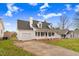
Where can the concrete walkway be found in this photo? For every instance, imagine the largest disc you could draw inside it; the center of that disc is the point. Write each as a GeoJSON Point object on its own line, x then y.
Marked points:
{"type": "Point", "coordinates": [43, 49]}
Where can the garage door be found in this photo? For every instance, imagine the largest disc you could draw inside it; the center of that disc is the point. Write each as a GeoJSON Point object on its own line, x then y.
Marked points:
{"type": "Point", "coordinates": [26, 36]}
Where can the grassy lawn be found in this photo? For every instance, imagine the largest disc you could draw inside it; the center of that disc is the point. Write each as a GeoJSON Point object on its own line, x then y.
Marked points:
{"type": "Point", "coordinates": [8, 49]}
{"type": "Point", "coordinates": [72, 44]}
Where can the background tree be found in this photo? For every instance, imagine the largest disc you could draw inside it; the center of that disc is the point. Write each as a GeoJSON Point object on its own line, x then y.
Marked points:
{"type": "Point", "coordinates": [64, 22]}
{"type": "Point", "coordinates": [76, 20]}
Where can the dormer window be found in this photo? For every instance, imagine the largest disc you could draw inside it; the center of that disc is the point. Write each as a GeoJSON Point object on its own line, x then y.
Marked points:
{"type": "Point", "coordinates": [39, 24]}
{"type": "Point", "coordinates": [50, 26]}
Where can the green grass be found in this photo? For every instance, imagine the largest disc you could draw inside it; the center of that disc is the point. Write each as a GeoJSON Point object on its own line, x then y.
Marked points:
{"type": "Point", "coordinates": [8, 49]}
{"type": "Point", "coordinates": [72, 44]}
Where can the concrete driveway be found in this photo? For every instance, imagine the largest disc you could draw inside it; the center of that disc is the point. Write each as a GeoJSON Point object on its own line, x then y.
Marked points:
{"type": "Point", "coordinates": [43, 49]}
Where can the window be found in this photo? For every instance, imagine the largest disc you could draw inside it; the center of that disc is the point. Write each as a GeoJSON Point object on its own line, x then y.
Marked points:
{"type": "Point", "coordinates": [50, 26]}
{"type": "Point", "coordinates": [36, 33]}
{"type": "Point", "coordinates": [49, 33]}
{"type": "Point", "coordinates": [42, 33]}
{"type": "Point", "coordinates": [52, 34]}
{"type": "Point", "coordinates": [40, 24]}
{"type": "Point", "coordinates": [63, 35]}
{"type": "Point", "coordinates": [45, 33]}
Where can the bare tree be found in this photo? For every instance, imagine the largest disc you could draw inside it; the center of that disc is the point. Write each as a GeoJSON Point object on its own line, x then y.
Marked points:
{"type": "Point", "coordinates": [64, 22]}
{"type": "Point", "coordinates": [76, 20]}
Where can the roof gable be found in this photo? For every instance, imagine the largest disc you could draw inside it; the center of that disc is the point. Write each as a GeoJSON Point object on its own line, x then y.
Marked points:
{"type": "Point", "coordinates": [45, 25]}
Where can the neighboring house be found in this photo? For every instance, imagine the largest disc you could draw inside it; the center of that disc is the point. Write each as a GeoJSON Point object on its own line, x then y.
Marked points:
{"type": "Point", "coordinates": [8, 35]}
{"type": "Point", "coordinates": [73, 34]}
{"type": "Point", "coordinates": [1, 29]}
{"type": "Point", "coordinates": [76, 33]}
{"type": "Point", "coordinates": [32, 29]}
{"type": "Point", "coordinates": [63, 33]}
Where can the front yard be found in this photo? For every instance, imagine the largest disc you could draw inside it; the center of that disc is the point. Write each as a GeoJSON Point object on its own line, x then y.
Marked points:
{"type": "Point", "coordinates": [8, 49]}
{"type": "Point", "coordinates": [72, 44]}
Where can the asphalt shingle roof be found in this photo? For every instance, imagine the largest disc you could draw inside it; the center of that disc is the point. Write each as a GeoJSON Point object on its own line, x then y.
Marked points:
{"type": "Point", "coordinates": [76, 31]}
{"type": "Point", "coordinates": [23, 25]}
{"type": "Point", "coordinates": [59, 31]}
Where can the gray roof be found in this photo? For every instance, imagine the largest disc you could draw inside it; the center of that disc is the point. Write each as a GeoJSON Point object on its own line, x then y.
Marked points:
{"type": "Point", "coordinates": [76, 31]}
{"type": "Point", "coordinates": [59, 31]}
{"type": "Point", "coordinates": [45, 30]}
{"type": "Point", "coordinates": [23, 25]}
{"type": "Point", "coordinates": [45, 25]}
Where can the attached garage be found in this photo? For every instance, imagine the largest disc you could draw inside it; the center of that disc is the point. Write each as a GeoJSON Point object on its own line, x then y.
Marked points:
{"type": "Point", "coordinates": [25, 35]}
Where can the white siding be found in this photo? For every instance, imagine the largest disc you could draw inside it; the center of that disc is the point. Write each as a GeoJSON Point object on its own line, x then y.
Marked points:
{"type": "Point", "coordinates": [73, 35]}
{"type": "Point", "coordinates": [76, 35]}
{"type": "Point", "coordinates": [29, 35]}
{"type": "Point", "coordinates": [25, 35]}
{"type": "Point", "coordinates": [1, 33]}
{"type": "Point", "coordinates": [57, 35]}
{"type": "Point", "coordinates": [70, 35]}
{"type": "Point", "coordinates": [1, 30]}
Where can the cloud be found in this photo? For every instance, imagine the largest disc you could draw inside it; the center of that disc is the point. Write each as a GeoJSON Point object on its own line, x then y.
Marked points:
{"type": "Point", "coordinates": [32, 4]}
{"type": "Point", "coordinates": [77, 8]}
{"type": "Point", "coordinates": [9, 13]}
{"type": "Point", "coordinates": [39, 14]}
{"type": "Point", "coordinates": [43, 10]}
{"type": "Point", "coordinates": [44, 6]}
{"type": "Point", "coordinates": [7, 24]}
{"type": "Point", "coordinates": [64, 12]}
{"type": "Point", "coordinates": [11, 9]}
{"type": "Point", "coordinates": [51, 15]}
{"type": "Point", "coordinates": [68, 7]}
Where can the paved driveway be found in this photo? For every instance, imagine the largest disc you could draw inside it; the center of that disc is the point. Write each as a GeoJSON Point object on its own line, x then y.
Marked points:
{"type": "Point", "coordinates": [43, 49]}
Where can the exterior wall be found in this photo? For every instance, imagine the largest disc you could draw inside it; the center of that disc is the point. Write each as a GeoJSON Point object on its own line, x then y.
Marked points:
{"type": "Point", "coordinates": [1, 30]}
{"type": "Point", "coordinates": [1, 33]}
{"type": "Point", "coordinates": [30, 34]}
{"type": "Point", "coordinates": [70, 35]}
{"type": "Point", "coordinates": [57, 36]}
{"type": "Point", "coordinates": [25, 34]}
{"type": "Point", "coordinates": [76, 35]}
